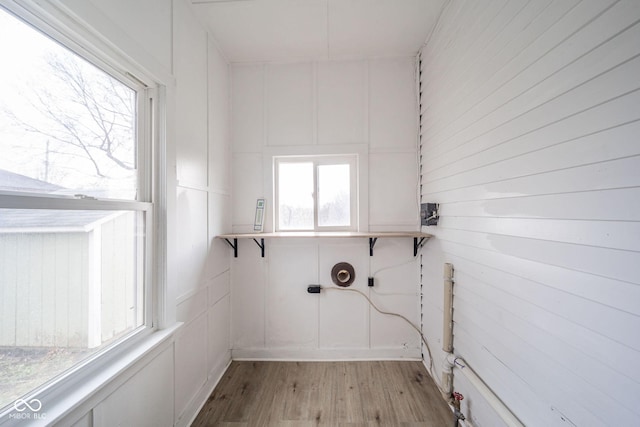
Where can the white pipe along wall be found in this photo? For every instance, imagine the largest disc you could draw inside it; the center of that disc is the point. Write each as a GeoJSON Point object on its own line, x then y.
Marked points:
{"type": "Point", "coordinates": [501, 409]}
{"type": "Point", "coordinates": [452, 361]}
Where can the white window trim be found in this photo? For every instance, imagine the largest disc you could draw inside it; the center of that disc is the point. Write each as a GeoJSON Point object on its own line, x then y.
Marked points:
{"type": "Point", "coordinates": [92, 374]}
{"type": "Point", "coordinates": [361, 153]}
{"type": "Point", "coordinates": [320, 160]}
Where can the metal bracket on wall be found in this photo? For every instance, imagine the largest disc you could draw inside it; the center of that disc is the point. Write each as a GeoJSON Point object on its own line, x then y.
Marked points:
{"type": "Point", "coordinates": [260, 245]}
{"type": "Point", "coordinates": [417, 244]}
{"type": "Point", "coordinates": [234, 245]}
{"type": "Point", "coordinates": [372, 243]}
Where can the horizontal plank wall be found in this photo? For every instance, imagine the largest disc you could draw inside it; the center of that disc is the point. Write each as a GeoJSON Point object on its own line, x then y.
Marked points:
{"type": "Point", "coordinates": [530, 116]}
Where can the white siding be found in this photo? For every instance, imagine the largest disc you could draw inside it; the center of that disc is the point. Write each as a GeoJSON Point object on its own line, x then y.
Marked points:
{"type": "Point", "coordinates": [529, 124]}
{"type": "Point", "coordinates": [68, 289]}
{"type": "Point", "coordinates": [43, 298]}
{"type": "Point", "coordinates": [118, 281]}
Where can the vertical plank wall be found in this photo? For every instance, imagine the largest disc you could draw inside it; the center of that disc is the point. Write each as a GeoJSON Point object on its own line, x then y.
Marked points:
{"type": "Point", "coordinates": [167, 40]}
{"type": "Point", "coordinates": [530, 124]}
{"type": "Point", "coordinates": [312, 106]}
{"type": "Point", "coordinates": [203, 211]}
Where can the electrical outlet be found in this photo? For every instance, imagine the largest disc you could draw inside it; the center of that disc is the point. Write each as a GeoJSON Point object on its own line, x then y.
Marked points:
{"type": "Point", "coordinates": [429, 214]}
{"type": "Point", "coordinates": [313, 289]}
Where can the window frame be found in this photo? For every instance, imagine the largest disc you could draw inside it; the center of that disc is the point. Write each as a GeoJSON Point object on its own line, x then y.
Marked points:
{"type": "Point", "coordinates": [56, 24]}
{"type": "Point", "coordinates": [263, 168]}
{"type": "Point", "coordinates": [316, 161]}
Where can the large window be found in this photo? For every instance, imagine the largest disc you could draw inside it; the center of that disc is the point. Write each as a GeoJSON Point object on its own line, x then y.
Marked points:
{"type": "Point", "coordinates": [75, 209]}
{"type": "Point", "coordinates": [316, 193]}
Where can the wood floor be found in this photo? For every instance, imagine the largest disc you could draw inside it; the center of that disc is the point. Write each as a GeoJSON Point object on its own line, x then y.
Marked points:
{"type": "Point", "coordinates": [336, 394]}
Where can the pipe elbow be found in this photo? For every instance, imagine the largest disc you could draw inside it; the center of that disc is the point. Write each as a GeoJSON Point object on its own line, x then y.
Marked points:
{"type": "Point", "coordinates": [454, 361]}
{"type": "Point", "coordinates": [450, 360]}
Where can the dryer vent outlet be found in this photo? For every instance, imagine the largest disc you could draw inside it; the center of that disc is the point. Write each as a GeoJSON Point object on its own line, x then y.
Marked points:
{"type": "Point", "coordinates": [343, 274]}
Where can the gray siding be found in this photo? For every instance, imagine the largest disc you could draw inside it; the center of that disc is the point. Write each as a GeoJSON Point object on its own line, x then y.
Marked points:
{"type": "Point", "coordinates": [530, 142]}
{"type": "Point", "coordinates": [69, 289]}
{"type": "Point", "coordinates": [43, 289]}
{"type": "Point", "coordinates": [119, 309]}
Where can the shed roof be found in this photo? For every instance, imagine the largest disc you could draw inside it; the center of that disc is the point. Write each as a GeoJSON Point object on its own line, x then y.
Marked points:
{"type": "Point", "coordinates": [11, 181]}
{"type": "Point", "coordinates": [36, 220]}
{"type": "Point", "coordinates": [42, 220]}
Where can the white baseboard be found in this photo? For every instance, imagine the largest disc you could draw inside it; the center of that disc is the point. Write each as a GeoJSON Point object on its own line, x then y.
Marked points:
{"type": "Point", "coordinates": [314, 354]}
{"type": "Point", "coordinates": [196, 404]}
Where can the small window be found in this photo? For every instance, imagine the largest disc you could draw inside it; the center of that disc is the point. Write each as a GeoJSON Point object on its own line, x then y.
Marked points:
{"type": "Point", "coordinates": [316, 193]}
{"type": "Point", "coordinates": [75, 209]}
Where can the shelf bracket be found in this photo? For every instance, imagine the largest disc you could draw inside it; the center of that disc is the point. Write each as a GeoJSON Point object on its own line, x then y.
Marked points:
{"type": "Point", "coordinates": [234, 245]}
{"type": "Point", "coordinates": [260, 245]}
{"type": "Point", "coordinates": [372, 243]}
{"type": "Point", "coordinates": [417, 244]}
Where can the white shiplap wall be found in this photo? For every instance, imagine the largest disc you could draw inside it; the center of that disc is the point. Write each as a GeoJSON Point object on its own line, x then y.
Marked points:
{"type": "Point", "coordinates": [530, 143]}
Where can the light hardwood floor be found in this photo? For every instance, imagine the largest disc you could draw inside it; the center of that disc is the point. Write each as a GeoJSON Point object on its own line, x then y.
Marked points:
{"type": "Point", "coordinates": [336, 394]}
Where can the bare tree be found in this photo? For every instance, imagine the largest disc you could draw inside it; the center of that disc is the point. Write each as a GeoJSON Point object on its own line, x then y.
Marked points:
{"type": "Point", "coordinates": [84, 114]}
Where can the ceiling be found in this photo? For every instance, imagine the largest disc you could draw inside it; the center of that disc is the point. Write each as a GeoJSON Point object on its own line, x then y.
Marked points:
{"type": "Point", "coordinates": [287, 30]}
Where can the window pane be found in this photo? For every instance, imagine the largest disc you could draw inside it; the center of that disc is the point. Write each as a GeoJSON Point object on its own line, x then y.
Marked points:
{"type": "Point", "coordinates": [66, 127]}
{"type": "Point", "coordinates": [70, 284]}
{"type": "Point", "coordinates": [334, 199]}
{"type": "Point", "coordinates": [295, 196]}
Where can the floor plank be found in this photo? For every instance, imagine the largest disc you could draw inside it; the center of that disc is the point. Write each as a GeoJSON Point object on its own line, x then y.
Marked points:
{"type": "Point", "coordinates": [343, 394]}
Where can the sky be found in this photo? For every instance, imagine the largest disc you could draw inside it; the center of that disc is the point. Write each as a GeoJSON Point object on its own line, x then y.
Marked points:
{"type": "Point", "coordinates": [25, 81]}
{"type": "Point", "coordinates": [296, 193]}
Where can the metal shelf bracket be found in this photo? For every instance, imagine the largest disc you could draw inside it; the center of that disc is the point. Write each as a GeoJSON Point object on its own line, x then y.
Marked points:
{"type": "Point", "coordinates": [372, 243]}
{"type": "Point", "coordinates": [234, 245]}
{"type": "Point", "coordinates": [260, 245]}
{"type": "Point", "coordinates": [417, 244]}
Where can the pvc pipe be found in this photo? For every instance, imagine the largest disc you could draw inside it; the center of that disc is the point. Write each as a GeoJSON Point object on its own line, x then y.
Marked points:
{"type": "Point", "coordinates": [447, 331]}
{"type": "Point", "coordinates": [501, 409]}
{"type": "Point", "coordinates": [447, 379]}
{"type": "Point", "coordinates": [452, 361]}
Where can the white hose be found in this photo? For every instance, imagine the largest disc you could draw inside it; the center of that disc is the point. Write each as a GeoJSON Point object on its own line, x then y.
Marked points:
{"type": "Point", "coordinates": [424, 340]}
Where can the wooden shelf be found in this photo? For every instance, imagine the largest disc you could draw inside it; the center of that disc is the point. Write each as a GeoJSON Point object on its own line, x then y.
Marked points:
{"type": "Point", "coordinates": [418, 237]}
